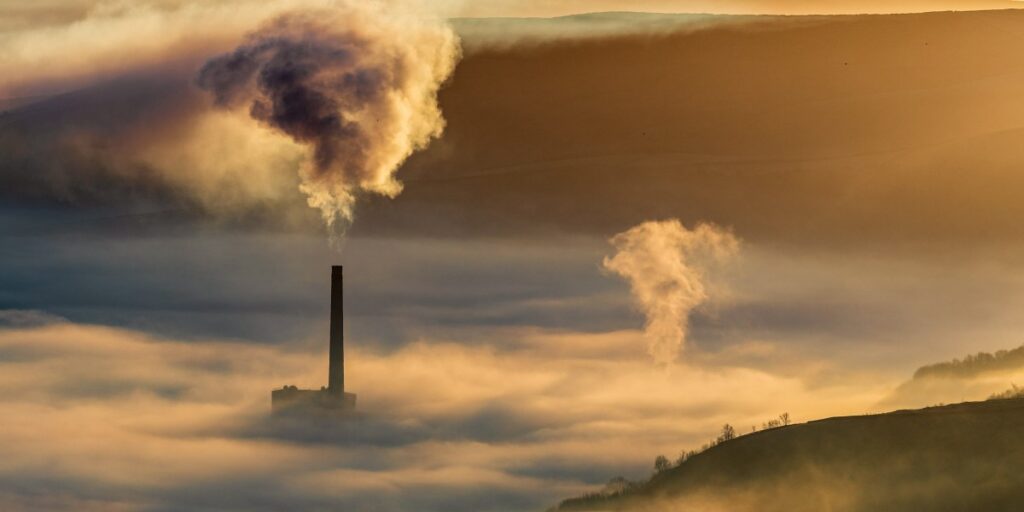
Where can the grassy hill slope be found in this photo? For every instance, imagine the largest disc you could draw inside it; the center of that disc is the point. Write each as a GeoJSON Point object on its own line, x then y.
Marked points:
{"type": "Point", "coordinates": [959, 457]}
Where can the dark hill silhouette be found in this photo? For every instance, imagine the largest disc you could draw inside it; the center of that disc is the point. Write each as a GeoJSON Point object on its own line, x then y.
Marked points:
{"type": "Point", "coordinates": [963, 457]}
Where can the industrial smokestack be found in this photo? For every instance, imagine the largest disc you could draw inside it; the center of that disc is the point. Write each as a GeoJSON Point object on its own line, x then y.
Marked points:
{"type": "Point", "coordinates": [336, 377]}
{"type": "Point", "coordinates": [333, 399]}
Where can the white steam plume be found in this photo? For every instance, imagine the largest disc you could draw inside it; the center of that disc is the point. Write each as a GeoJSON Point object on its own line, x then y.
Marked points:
{"type": "Point", "coordinates": [356, 84]}
{"type": "Point", "coordinates": [666, 266]}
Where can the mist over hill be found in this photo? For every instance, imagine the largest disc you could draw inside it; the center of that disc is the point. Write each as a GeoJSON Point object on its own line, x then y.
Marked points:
{"type": "Point", "coordinates": [939, 458]}
{"type": "Point", "coordinates": [971, 377]}
{"type": "Point", "coordinates": [951, 458]}
{"type": "Point", "coordinates": [975, 364]}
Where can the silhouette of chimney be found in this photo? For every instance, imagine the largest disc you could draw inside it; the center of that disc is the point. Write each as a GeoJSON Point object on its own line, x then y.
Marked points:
{"type": "Point", "coordinates": [332, 399]}
{"type": "Point", "coordinates": [336, 376]}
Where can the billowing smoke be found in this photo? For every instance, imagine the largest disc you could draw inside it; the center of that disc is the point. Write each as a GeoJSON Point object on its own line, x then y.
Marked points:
{"type": "Point", "coordinates": [357, 85]}
{"type": "Point", "coordinates": [666, 265]}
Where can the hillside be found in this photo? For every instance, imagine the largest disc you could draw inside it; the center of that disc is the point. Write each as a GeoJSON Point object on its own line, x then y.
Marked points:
{"type": "Point", "coordinates": [826, 130]}
{"type": "Point", "coordinates": [958, 457]}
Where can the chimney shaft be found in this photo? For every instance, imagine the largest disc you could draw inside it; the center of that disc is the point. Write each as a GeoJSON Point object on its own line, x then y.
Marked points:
{"type": "Point", "coordinates": [336, 377]}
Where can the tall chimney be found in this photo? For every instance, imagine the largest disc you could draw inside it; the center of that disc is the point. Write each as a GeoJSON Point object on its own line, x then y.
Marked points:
{"type": "Point", "coordinates": [336, 377]}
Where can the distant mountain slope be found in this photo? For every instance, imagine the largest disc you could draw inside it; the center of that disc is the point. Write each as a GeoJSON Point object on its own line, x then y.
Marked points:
{"type": "Point", "coordinates": [832, 130]}
{"type": "Point", "coordinates": [964, 457]}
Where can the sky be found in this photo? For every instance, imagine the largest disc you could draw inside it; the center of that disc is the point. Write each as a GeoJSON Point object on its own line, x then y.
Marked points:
{"type": "Point", "coordinates": [570, 245]}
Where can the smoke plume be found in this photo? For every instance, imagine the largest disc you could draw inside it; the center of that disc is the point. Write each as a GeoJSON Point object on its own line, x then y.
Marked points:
{"type": "Point", "coordinates": [666, 266]}
{"type": "Point", "coordinates": [357, 86]}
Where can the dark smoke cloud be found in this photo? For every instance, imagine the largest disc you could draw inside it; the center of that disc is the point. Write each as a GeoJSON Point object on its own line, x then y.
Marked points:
{"type": "Point", "coordinates": [359, 90]}
{"type": "Point", "coordinates": [293, 97]}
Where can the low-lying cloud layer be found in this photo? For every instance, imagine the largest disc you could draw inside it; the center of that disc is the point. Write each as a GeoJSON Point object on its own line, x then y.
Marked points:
{"type": "Point", "coordinates": [111, 418]}
{"type": "Point", "coordinates": [533, 358]}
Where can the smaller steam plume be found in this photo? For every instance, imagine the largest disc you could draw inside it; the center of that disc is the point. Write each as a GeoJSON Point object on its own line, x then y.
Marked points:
{"type": "Point", "coordinates": [356, 85]}
{"type": "Point", "coordinates": [666, 266]}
